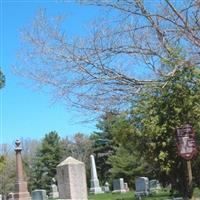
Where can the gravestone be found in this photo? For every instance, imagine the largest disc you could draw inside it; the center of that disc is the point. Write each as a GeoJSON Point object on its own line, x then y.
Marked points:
{"type": "Point", "coordinates": [94, 182]}
{"type": "Point", "coordinates": [106, 187]}
{"type": "Point", "coordinates": [118, 186]}
{"type": "Point", "coordinates": [154, 186]}
{"type": "Point", "coordinates": [0, 196]}
{"type": "Point", "coordinates": [54, 191]}
{"type": "Point", "coordinates": [71, 178]}
{"type": "Point", "coordinates": [126, 187]}
{"type": "Point", "coordinates": [39, 195]}
{"type": "Point", "coordinates": [142, 186]}
{"type": "Point", "coordinates": [11, 196]}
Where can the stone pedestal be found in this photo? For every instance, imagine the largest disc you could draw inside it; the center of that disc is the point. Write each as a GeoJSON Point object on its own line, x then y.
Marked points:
{"type": "Point", "coordinates": [21, 191]}
{"type": "Point", "coordinates": [71, 178]}
{"type": "Point", "coordinates": [94, 182]}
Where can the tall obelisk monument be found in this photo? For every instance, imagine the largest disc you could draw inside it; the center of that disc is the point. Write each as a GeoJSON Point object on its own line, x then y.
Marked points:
{"type": "Point", "coordinates": [21, 191]}
{"type": "Point", "coordinates": [94, 182]}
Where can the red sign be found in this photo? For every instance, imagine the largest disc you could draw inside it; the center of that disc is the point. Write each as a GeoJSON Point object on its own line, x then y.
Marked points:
{"type": "Point", "coordinates": [186, 141]}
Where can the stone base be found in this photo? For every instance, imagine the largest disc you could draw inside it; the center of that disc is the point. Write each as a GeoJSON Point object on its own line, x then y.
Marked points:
{"type": "Point", "coordinates": [96, 190]}
{"type": "Point", "coordinates": [54, 195]}
{"type": "Point", "coordinates": [20, 196]}
{"type": "Point", "coordinates": [119, 191]}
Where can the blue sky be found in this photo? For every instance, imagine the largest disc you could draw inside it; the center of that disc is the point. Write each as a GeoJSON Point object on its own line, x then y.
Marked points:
{"type": "Point", "coordinates": [26, 113]}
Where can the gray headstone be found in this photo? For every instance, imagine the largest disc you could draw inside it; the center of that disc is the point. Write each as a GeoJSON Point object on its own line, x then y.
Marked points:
{"type": "Point", "coordinates": [154, 186]}
{"type": "Point", "coordinates": [0, 196]}
{"type": "Point", "coordinates": [142, 186]}
{"type": "Point", "coordinates": [71, 178]}
{"type": "Point", "coordinates": [94, 182]}
{"type": "Point", "coordinates": [118, 186]}
{"type": "Point", "coordinates": [39, 195]}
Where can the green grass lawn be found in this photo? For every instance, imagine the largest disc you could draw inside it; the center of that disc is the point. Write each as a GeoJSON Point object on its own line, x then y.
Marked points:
{"type": "Point", "coordinates": [110, 196]}
{"type": "Point", "coordinates": [128, 196]}
{"type": "Point", "coordinates": [162, 195]}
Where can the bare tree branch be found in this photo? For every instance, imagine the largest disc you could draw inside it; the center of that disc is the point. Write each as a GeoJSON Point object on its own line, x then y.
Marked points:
{"type": "Point", "coordinates": [121, 55]}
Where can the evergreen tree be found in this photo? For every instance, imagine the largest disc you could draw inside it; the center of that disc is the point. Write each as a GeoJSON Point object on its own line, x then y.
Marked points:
{"type": "Point", "coordinates": [127, 164]}
{"type": "Point", "coordinates": [47, 158]}
{"type": "Point", "coordinates": [104, 145]}
{"type": "Point", "coordinates": [2, 79]}
{"type": "Point", "coordinates": [115, 149]}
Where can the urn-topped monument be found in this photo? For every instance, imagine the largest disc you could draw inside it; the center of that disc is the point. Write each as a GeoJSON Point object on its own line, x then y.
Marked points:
{"type": "Point", "coordinates": [21, 191]}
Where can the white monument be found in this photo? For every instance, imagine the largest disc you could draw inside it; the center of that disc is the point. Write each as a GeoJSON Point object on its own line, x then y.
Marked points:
{"type": "Point", "coordinates": [94, 182]}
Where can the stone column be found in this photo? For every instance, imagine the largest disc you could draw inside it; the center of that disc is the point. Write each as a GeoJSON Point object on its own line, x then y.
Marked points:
{"type": "Point", "coordinates": [21, 191]}
{"type": "Point", "coordinates": [94, 182]}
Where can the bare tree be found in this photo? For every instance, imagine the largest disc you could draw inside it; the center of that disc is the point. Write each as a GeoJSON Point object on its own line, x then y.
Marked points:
{"type": "Point", "coordinates": [81, 147]}
{"type": "Point", "coordinates": [122, 53]}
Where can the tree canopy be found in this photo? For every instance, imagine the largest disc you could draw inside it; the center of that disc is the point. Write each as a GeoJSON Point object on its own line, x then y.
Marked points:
{"type": "Point", "coordinates": [2, 79]}
{"type": "Point", "coordinates": [156, 117]}
{"type": "Point", "coordinates": [118, 58]}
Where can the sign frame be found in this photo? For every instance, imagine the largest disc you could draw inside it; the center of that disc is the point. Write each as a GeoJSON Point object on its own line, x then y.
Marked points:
{"type": "Point", "coordinates": [186, 145]}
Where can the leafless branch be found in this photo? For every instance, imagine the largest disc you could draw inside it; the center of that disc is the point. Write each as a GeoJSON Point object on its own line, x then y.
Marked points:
{"type": "Point", "coordinates": [121, 55]}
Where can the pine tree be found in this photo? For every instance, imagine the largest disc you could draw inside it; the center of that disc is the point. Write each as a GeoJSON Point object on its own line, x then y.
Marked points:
{"type": "Point", "coordinates": [116, 155]}
{"type": "Point", "coordinates": [47, 158]}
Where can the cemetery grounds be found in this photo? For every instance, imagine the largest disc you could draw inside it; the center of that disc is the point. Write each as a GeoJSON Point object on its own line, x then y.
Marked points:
{"type": "Point", "coordinates": [162, 195]}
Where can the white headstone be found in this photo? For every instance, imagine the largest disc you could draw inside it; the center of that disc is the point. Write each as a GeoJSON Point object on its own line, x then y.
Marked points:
{"type": "Point", "coordinates": [118, 186]}
{"type": "Point", "coordinates": [106, 187]}
{"type": "Point", "coordinates": [54, 191]}
{"type": "Point", "coordinates": [126, 187]}
{"type": "Point", "coordinates": [94, 182]}
{"type": "Point", "coordinates": [71, 178]}
{"type": "Point", "coordinates": [11, 196]}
